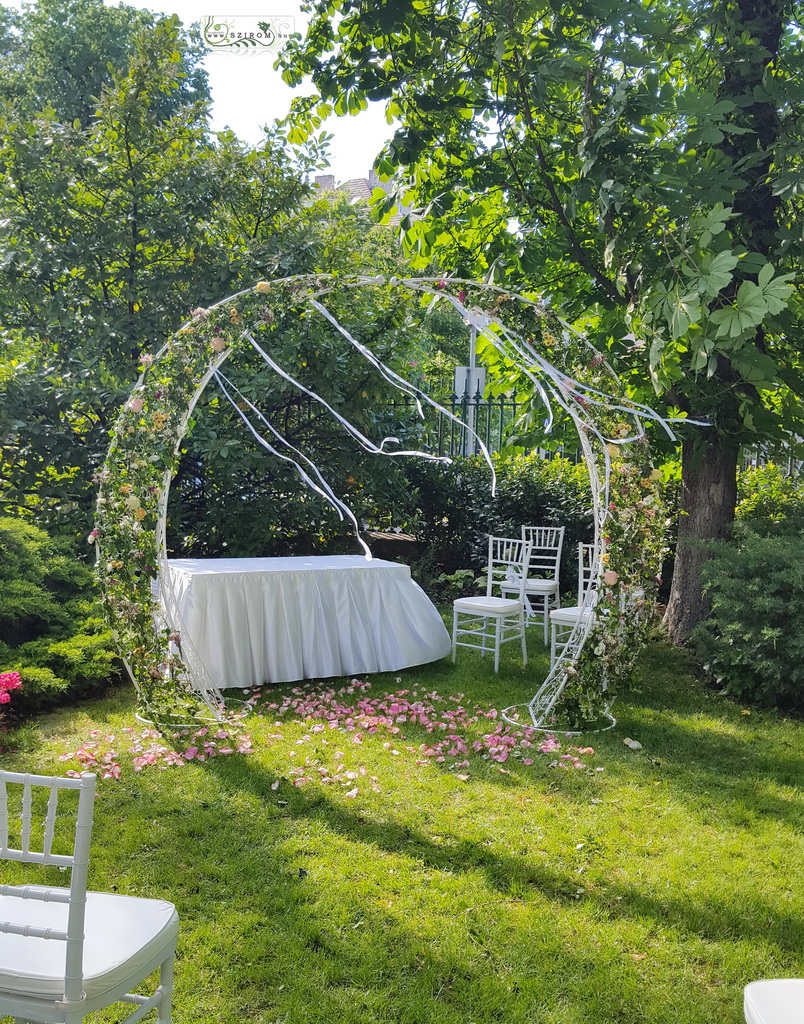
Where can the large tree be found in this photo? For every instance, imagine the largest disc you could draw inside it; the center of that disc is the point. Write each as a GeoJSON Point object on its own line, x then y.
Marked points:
{"type": "Point", "coordinates": [638, 164]}
{"type": "Point", "coordinates": [59, 55]}
{"type": "Point", "coordinates": [110, 232]}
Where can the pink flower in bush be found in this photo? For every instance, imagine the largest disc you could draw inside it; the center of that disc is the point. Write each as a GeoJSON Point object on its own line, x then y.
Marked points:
{"type": "Point", "coordinates": [10, 681]}
{"type": "Point", "coordinates": [610, 577]}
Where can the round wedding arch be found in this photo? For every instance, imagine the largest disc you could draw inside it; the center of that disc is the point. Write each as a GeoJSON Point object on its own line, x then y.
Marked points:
{"type": "Point", "coordinates": [568, 377]}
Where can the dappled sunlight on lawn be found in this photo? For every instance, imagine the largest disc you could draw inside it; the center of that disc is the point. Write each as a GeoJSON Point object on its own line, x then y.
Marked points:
{"type": "Point", "coordinates": [350, 851]}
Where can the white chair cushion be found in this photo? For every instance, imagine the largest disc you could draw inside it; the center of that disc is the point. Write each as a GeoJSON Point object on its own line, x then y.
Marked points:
{"type": "Point", "coordinates": [122, 933]}
{"type": "Point", "coordinates": [533, 586]}
{"type": "Point", "coordinates": [569, 616]}
{"type": "Point", "coordinates": [779, 1001]}
{"type": "Point", "coordinates": [536, 586]}
{"type": "Point", "coordinates": [487, 605]}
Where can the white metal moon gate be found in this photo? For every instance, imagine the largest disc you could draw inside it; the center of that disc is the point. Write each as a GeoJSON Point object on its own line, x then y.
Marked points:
{"type": "Point", "coordinates": [135, 481]}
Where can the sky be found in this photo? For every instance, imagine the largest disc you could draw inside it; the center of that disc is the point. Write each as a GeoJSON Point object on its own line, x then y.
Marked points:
{"type": "Point", "coordinates": [247, 93]}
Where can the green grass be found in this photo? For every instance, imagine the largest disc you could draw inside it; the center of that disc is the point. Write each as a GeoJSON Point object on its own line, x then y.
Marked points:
{"type": "Point", "coordinates": [650, 892]}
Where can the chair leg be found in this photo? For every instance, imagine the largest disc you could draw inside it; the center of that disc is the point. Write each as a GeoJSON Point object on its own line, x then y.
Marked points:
{"type": "Point", "coordinates": [552, 644]}
{"type": "Point", "coordinates": [497, 633]}
{"type": "Point", "coordinates": [545, 613]}
{"type": "Point", "coordinates": [166, 985]}
{"type": "Point", "coordinates": [524, 638]}
{"type": "Point", "coordinates": [454, 635]}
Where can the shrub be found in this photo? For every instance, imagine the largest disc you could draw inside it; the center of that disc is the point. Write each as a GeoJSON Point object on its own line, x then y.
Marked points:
{"type": "Point", "coordinates": [446, 587]}
{"type": "Point", "coordinates": [770, 502]}
{"type": "Point", "coordinates": [752, 644]}
{"type": "Point", "coordinates": [51, 627]}
{"type": "Point", "coordinates": [455, 510]}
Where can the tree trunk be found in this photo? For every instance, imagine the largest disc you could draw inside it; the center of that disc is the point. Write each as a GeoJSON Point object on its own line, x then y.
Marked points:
{"type": "Point", "coordinates": [708, 499]}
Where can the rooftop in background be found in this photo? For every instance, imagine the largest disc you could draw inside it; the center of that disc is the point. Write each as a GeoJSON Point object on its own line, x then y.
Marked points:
{"type": "Point", "coordinates": [360, 188]}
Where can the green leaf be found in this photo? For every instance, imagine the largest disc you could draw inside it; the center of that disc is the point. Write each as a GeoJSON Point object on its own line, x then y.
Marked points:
{"type": "Point", "coordinates": [716, 273]}
{"type": "Point", "coordinates": [776, 291]}
{"type": "Point", "coordinates": [765, 274]}
{"type": "Point", "coordinates": [747, 311]}
{"type": "Point", "coordinates": [682, 311]}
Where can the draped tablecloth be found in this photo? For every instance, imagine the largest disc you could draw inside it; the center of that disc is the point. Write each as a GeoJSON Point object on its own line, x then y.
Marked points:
{"type": "Point", "coordinates": [256, 620]}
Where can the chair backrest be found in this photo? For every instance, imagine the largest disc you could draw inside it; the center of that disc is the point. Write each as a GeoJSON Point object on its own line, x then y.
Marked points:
{"type": "Point", "coordinates": [545, 553]}
{"type": "Point", "coordinates": [35, 847]}
{"type": "Point", "coordinates": [508, 562]}
{"type": "Point", "coordinates": [586, 570]}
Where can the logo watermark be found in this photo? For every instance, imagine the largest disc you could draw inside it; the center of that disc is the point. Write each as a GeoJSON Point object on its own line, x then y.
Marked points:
{"type": "Point", "coordinates": [249, 33]}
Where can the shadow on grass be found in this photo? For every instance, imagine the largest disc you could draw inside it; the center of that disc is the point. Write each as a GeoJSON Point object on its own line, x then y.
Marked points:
{"type": "Point", "coordinates": [719, 760]}
{"type": "Point", "coordinates": [288, 951]}
{"type": "Point", "coordinates": [515, 876]}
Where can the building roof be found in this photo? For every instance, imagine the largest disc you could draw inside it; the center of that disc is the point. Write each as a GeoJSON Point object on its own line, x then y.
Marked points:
{"type": "Point", "coordinates": [356, 188]}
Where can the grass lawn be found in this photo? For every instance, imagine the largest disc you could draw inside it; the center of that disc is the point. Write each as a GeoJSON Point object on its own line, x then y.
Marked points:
{"type": "Point", "coordinates": [393, 887]}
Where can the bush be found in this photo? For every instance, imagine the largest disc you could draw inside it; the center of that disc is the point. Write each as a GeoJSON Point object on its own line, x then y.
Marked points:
{"type": "Point", "coordinates": [770, 502]}
{"type": "Point", "coordinates": [455, 510]}
{"type": "Point", "coordinates": [752, 644]}
{"type": "Point", "coordinates": [50, 623]}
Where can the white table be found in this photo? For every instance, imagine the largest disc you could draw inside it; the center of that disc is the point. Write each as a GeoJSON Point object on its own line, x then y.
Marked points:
{"type": "Point", "coordinates": [256, 620]}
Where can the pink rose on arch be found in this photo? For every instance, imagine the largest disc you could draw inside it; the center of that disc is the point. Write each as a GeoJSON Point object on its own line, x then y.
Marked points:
{"type": "Point", "coordinates": [135, 404]}
{"type": "Point", "coordinates": [610, 577]}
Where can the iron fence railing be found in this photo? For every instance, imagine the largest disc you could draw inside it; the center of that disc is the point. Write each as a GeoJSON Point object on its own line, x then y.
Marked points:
{"type": "Point", "coordinates": [475, 419]}
{"type": "Point", "coordinates": [481, 419]}
{"type": "Point", "coordinates": [784, 455]}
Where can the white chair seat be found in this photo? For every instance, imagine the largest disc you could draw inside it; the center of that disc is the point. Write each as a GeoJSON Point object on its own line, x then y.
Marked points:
{"type": "Point", "coordinates": [123, 934]}
{"type": "Point", "coordinates": [488, 605]}
{"type": "Point", "coordinates": [569, 616]}
{"type": "Point", "coordinates": [535, 586]}
{"type": "Point", "coordinates": [777, 1001]}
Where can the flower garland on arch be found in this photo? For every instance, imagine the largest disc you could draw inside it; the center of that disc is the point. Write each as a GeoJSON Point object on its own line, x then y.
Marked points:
{"type": "Point", "coordinates": [143, 457]}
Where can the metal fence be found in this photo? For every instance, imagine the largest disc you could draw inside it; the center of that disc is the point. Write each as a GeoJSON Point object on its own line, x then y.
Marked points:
{"type": "Point", "coordinates": [786, 456]}
{"type": "Point", "coordinates": [481, 419]}
{"type": "Point", "coordinates": [475, 419]}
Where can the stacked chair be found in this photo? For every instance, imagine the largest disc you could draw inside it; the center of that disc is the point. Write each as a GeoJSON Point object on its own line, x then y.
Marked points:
{"type": "Point", "coordinates": [541, 585]}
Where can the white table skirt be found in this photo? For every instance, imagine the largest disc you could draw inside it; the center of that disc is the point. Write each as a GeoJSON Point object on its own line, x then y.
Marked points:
{"type": "Point", "coordinates": [256, 620]}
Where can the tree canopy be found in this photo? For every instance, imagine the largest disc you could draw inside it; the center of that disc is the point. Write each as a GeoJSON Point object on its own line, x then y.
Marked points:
{"type": "Point", "coordinates": [112, 229]}
{"type": "Point", "coordinates": [639, 165]}
{"type": "Point", "coordinates": [110, 232]}
{"type": "Point", "coordinates": [60, 54]}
